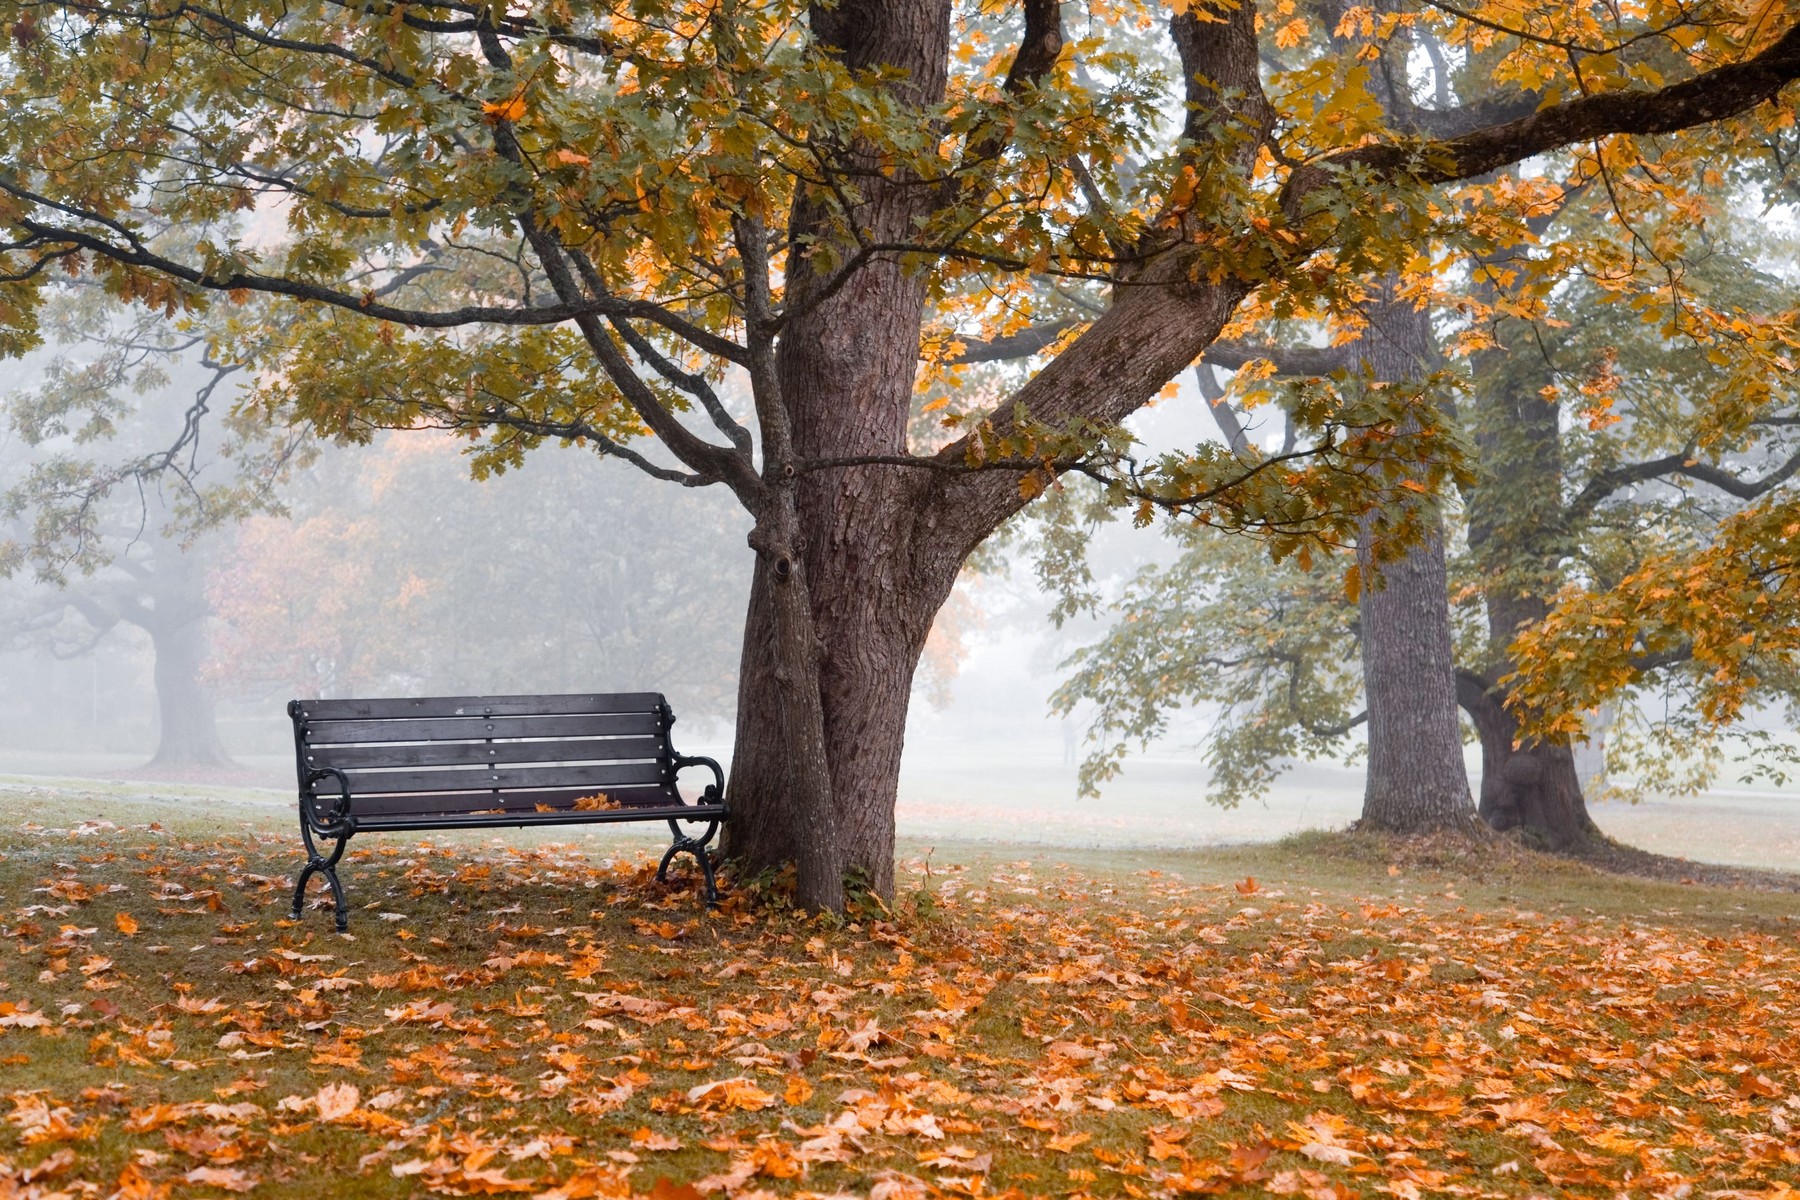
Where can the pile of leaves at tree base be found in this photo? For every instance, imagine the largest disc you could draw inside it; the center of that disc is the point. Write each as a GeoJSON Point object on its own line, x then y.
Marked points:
{"type": "Point", "coordinates": [547, 1021]}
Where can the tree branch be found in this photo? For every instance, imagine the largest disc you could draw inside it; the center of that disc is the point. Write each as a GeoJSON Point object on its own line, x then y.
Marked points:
{"type": "Point", "coordinates": [1607, 482]}
{"type": "Point", "coordinates": [1224, 415]}
{"type": "Point", "coordinates": [1709, 96]}
{"type": "Point", "coordinates": [1033, 339]}
{"type": "Point", "coordinates": [365, 304]}
{"type": "Point", "coordinates": [1288, 360]}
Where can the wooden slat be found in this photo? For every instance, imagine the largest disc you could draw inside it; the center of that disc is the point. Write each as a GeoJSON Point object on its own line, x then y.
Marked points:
{"type": "Point", "coordinates": [421, 821]}
{"type": "Point", "coordinates": [452, 803]}
{"type": "Point", "coordinates": [476, 728]}
{"type": "Point", "coordinates": [550, 775]}
{"type": "Point", "coordinates": [479, 706]}
{"type": "Point", "coordinates": [449, 754]}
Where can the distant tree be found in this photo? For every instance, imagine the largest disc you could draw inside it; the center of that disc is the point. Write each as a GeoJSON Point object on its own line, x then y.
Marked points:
{"type": "Point", "coordinates": [1608, 449]}
{"type": "Point", "coordinates": [107, 493]}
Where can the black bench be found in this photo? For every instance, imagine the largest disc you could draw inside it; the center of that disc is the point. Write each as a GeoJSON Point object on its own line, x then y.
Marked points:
{"type": "Point", "coordinates": [469, 762]}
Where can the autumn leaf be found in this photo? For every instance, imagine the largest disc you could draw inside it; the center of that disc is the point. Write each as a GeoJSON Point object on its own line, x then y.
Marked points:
{"type": "Point", "coordinates": [337, 1101]}
{"type": "Point", "coordinates": [229, 1178]}
{"type": "Point", "coordinates": [1246, 886]}
{"type": "Point", "coordinates": [125, 923]}
{"type": "Point", "coordinates": [510, 109]}
{"type": "Point", "coordinates": [736, 1093]}
{"type": "Point", "coordinates": [666, 1189]}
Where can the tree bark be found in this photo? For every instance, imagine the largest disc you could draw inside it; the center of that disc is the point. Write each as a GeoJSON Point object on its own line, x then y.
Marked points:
{"type": "Point", "coordinates": [844, 374]}
{"type": "Point", "coordinates": [1416, 779]}
{"type": "Point", "coordinates": [1532, 787]}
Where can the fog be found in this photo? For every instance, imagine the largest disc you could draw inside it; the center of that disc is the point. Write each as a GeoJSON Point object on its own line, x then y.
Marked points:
{"type": "Point", "coordinates": [388, 571]}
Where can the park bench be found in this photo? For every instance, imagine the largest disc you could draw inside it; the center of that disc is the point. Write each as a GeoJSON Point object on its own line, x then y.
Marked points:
{"type": "Point", "coordinates": [471, 762]}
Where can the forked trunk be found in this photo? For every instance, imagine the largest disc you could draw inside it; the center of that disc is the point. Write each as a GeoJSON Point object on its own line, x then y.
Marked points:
{"type": "Point", "coordinates": [843, 381]}
{"type": "Point", "coordinates": [881, 544]}
{"type": "Point", "coordinates": [870, 639]}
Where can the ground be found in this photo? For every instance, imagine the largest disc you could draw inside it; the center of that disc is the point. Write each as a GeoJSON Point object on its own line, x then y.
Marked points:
{"type": "Point", "coordinates": [1326, 1016]}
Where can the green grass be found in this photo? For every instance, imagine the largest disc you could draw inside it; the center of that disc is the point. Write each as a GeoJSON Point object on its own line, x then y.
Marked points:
{"type": "Point", "coordinates": [1366, 1018]}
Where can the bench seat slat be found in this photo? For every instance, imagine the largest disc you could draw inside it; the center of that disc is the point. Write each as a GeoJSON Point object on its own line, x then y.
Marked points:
{"type": "Point", "coordinates": [441, 729]}
{"type": "Point", "coordinates": [474, 806]}
{"type": "Point", "coordinates": [689, 812]}
{"type": "Point", "coordinates": [476, 706]}
{"type": "Point", "coordinates": [477, 779]}
{"type": "Point", "coordinates": [456, 754]}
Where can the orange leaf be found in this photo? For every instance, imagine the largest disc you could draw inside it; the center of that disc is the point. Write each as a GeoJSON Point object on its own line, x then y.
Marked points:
{"type": "Point", "coordinates": [510, 109]}
{"type": "Point", "coordinates": [127, 923]}
{"type": "Point", "coordinates": [1247, 886]}
{"type": "Point", "coordinates": [665, 1189]}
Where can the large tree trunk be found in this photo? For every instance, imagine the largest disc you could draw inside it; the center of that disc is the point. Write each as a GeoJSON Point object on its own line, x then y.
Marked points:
{"type": "Point", "coordinates": [867, 660]}
{"type": "Point", "coordinates": [1416, 779]}
{"type": "Point", "coordinates": [845, 369]}
{"type": "Point", "coordinates": [1532, 787]}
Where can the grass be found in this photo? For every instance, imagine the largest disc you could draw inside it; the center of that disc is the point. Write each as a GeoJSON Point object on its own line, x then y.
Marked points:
{"type": "Point", "coordinates": [1324, 1016]}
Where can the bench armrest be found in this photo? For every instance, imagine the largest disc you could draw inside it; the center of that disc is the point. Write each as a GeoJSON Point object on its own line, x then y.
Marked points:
{"type": "Point", "coordinates": [715, 791]}
{"type": "Point", "coordinates": [340, 822]}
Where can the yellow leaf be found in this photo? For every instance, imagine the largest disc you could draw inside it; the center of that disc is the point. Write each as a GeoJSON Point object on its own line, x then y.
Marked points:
{"type": "Point", "coordinates": [739, 1093]}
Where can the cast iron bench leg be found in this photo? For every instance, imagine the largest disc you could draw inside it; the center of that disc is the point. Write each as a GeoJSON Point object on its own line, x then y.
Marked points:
{"type": "Point", "coordinates": [697, 848]}
{"type": "Point", "coordinates": [315, 864]}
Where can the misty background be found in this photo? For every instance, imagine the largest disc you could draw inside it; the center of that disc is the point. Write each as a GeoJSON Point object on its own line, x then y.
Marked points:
{"type": "Point", "coordinates": [388, 571]}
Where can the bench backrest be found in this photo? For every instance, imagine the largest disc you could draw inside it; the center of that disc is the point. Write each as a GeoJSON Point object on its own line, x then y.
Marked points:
{"type": "Point", "coordinates": [447, 755]}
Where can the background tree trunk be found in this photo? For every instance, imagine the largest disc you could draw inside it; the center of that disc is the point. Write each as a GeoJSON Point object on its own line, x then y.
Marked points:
{"type": "Point", "coordinates": [1517, 533]}
{"type": "Point", "coordinates": [1416, 779]}
{"type": "Point", "coordinates": [1535, 787]}
{"type": "Point", "coordinates": [189, 732]}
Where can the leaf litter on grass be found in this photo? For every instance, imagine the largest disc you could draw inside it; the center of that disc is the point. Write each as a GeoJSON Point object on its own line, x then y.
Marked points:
{"type": "Point", "coordinates": [547, 1023]}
